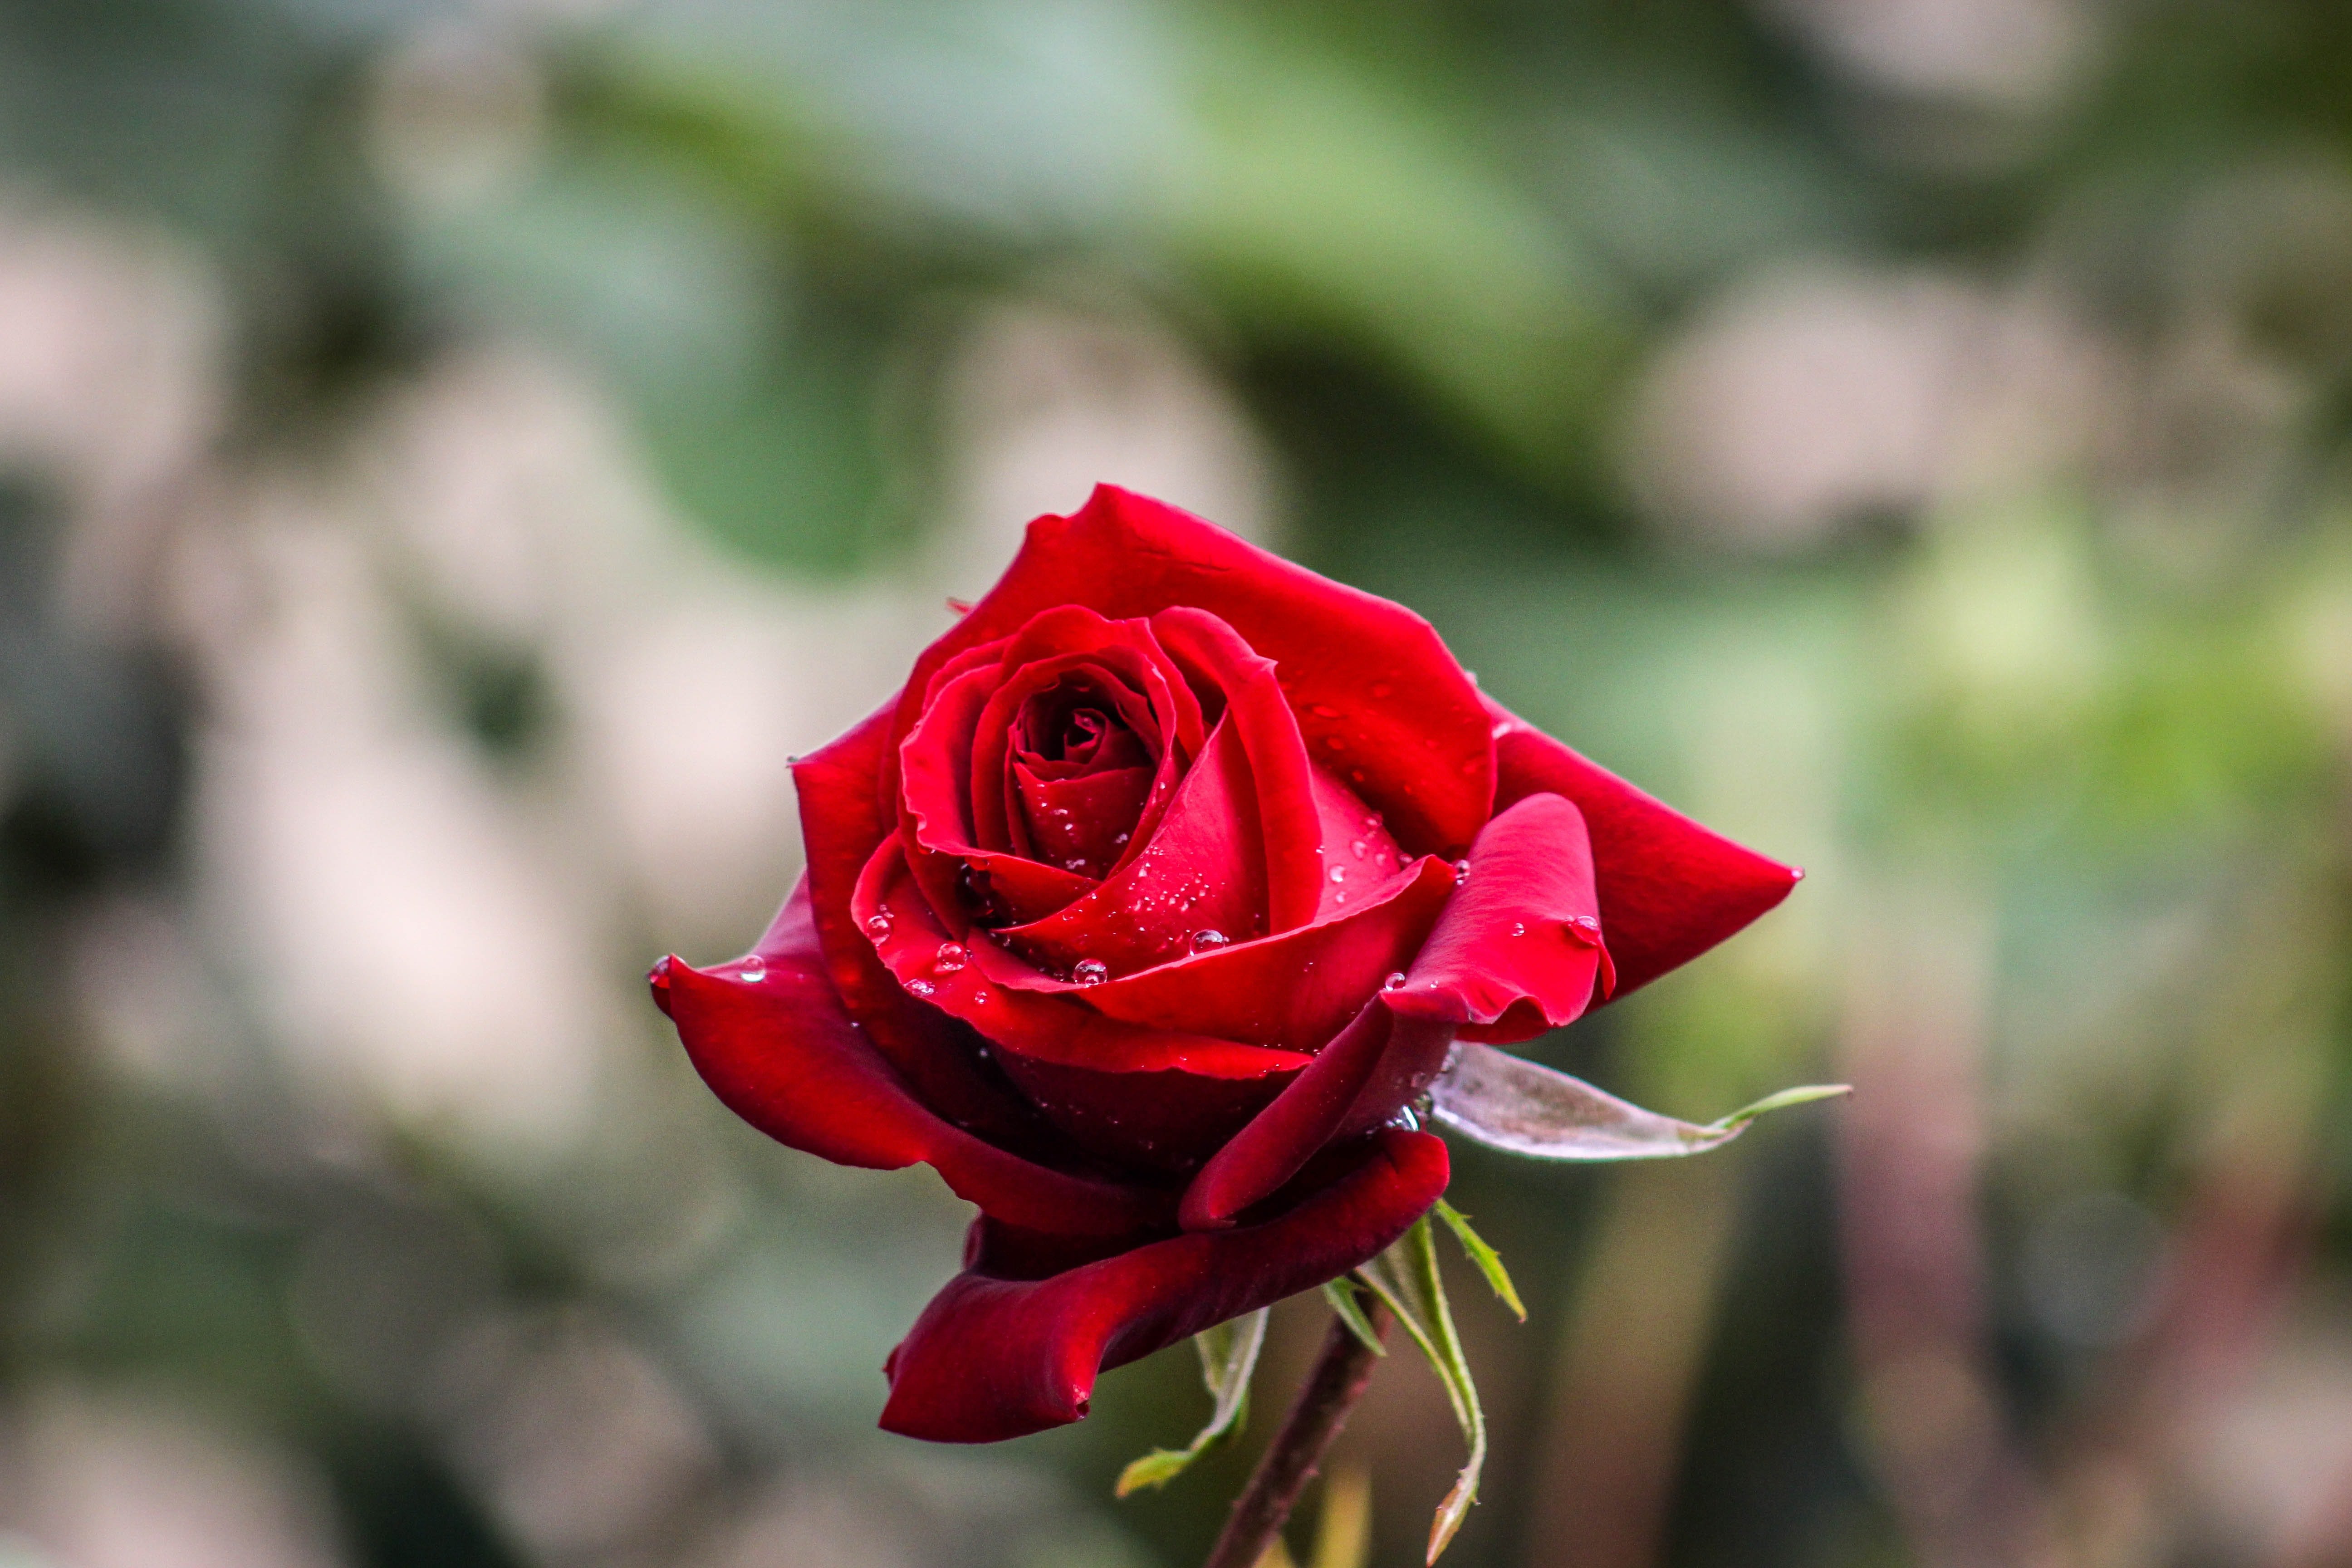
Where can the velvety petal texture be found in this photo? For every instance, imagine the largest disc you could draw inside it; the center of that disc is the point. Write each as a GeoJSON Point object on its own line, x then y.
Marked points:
{"type": "Point", "coordinates": [1165, 884]}
{"type": "Point", "coordinates": [993, 1358]}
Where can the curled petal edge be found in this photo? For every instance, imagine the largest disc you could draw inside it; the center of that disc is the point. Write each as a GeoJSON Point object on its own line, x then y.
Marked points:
{"type": "Point", "coordinates": [782, 1054]}
{"type": "Point", "coordinates": [1506, 947]}
{"type": "Point", "coordinates": [993, 1358]}
{"type": "Point", "coordinates": [1669, 889]}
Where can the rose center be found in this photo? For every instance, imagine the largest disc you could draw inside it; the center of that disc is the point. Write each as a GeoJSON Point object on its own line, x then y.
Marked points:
{"type": "Point", "coordinates": [1081, 772]}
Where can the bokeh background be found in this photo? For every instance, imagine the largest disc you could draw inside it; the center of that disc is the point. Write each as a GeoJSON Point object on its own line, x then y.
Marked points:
{"type": "Point", "coordinates": [452, 454]}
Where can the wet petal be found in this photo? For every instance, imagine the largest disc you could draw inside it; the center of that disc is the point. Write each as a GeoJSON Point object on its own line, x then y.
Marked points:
{"type": "Point", "coordinates": [1358, 669]}
{"type": "Point", "coordinates": [1669, 889]}
{"type": "Point", "coordinates": [1505, 953]}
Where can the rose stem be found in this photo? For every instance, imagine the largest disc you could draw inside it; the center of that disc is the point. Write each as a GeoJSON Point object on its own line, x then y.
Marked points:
{"type": "Point", "coordinates": [1290, 1462]}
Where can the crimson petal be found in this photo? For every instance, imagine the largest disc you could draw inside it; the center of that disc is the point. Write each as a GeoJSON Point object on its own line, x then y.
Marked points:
{"type": "Point", "coordinates": [1358, 669]}
{"type": "Point", "coordinates": [1669, 889]}
{"type": "Point", "coordinates": [842, 821]}
{"type": "Point", "coordinates": [1294, 990]}
{"type": "Point", "coordinates": [781, 1053]}
{"type": "Point", "coordinates": [1518, 942]}
{"type": "Point", "coordinates": [992, 1358]}
{"type": "Point", "coordinates": [1051, 1026]}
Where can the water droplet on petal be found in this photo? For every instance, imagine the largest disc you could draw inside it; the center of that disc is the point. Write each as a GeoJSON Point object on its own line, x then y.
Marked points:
{"type": "Point", "coordinates": [1405, 1119]}
{"type": "Point", "coordinates": [1472, 675]}
{"type": "Point", "coordinates": [949, 958]}
{"type": "Point", "coordinates": [1357, 847]}
{"type": "Point", "coordinates": [922, 987]}
{"type": "Point", "coordinates": [979, 999]}
{"type": "Point", "coordinates": [1461, 872]}
{"type": "Point", "coordinates": [1208, 941]}
{"type": "Point", "coordinates": [1090, 972]}
{"type": "Point", "coordinates": [1339, 874]}
{"type": "Point", "coordinates": [1395, 981]}
{"type": "Point", "coordinates": [877, 925]}
{"type": "Point", "coordinates": [658, 975]}
{"type": "Point", "coordinates": [1336, 742]}
{"type": "Point", "coordinates": [1502, 728]}
{"type": "Point", "coordinates": [1323, 710]}
{"type": "Point", "coordinates": [1519, 927]}
{"type": "Point", "coordinates": [1119, 838]}
{"type": "Point", "coordinates": [753, 969]}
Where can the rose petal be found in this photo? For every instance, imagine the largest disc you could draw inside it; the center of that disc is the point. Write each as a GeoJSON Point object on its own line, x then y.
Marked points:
{"type": "Point", "coordinates": [1141, 694]}
{"type": "Point", "coordinates": [842, 822]}
{"type": "Point", "coordinates": [1294, 990]}
{"type": "Point", "coordinates": [1303, 1120]}
{"type": "Point", "coordinates": [1519, 948]}
{"type": "Point", "coordinates": [1166, 1123]}
{"type": "Point", "coordinates": [1507, 950]}
{"type": "Point", "coordinates": [1669, 889]}
{"type": "Point", "coordinates": [1125, 648]}
{"type": "Point", "coordinates": [1358, 669]}
{"type": "Point", "coordinates": [1085, 824]}
{"type": "Point", "coordinates": [1358, 851]}
{"type": "Point", "coordinates": [992, 1358]}
{"type": "Point", "coordinates": [781, 1054]}
{"type": "Point", "coordinates": [1055, 1029]}
{"type": "Point", "coordinates": [937, 828]}
{"type": "Point", "coordinates": [1211, 653]}
{"type": "Point", "coordinates": [1203, 867]}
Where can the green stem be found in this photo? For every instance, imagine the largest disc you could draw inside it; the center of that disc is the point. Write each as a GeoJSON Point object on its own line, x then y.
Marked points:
{"type": "Point", "coordinates": [1290, 1462]}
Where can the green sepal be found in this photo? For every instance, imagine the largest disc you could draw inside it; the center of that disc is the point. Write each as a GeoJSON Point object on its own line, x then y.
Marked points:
{"type": "Point", "coordinates": [1405, 1278]}
{"type": "Point", "coordinates": [1348, 1311]}
{"type": "Point", "coordinates": [1488, 1261]}
{"type": "Point", "coordinates": [1228, 1356]}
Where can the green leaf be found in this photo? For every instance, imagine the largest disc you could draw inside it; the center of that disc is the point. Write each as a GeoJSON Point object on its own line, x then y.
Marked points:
{"type": "Point", "coordinates": [1490, 1262]}
{"type": "Point", "coordinates": [1525, 1107]}
{"type": "Point", "coordinates": [1405, 1278]}
{"type": "Point", "coordinates": [1803, 1094]}
{"type": "Point", "coordinates": [1342, 1297]}
{"type": "Point", "coordinates": [1228, 1356]}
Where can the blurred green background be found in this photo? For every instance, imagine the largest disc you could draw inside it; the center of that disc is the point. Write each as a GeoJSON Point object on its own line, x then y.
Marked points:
{"type": "Point", "coordinates": [451, 456]}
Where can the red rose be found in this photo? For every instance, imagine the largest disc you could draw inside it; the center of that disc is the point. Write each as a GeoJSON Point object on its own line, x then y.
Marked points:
{"type": "Point", "coordinates": [1140, 914]}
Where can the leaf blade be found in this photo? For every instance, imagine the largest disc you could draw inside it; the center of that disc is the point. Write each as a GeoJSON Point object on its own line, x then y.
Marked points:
{"type": "Point", "coordinates": [1345, 1307]}
{"type": "Point", "coordinates": [1482, 1256]}
{"type": "Point", "coordinates": [1405, 1276]}
{"type": "Point", "coordinates": [1229, 1354]}
{"type": "Point", "coordinates": [1524, 1108]}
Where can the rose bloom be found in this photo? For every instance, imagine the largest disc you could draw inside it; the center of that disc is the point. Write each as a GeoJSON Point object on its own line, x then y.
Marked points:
{"type": "Point", "coordinates": [1143, 912]}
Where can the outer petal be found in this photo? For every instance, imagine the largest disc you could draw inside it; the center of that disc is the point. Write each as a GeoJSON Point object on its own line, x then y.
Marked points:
{"type": "Point", "coordinates": [1412, 737]}
{"type": "Point", "coordinates": [993, 1358]}
{"type": "Point", "coordinates": [781, 1054]}
{"type": "Point", "coordinates": [842, 822]}
{"type": "Point", "coordinates": [1518, 944]}
{"type": "Point", "coordinates": [1670, 890]}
